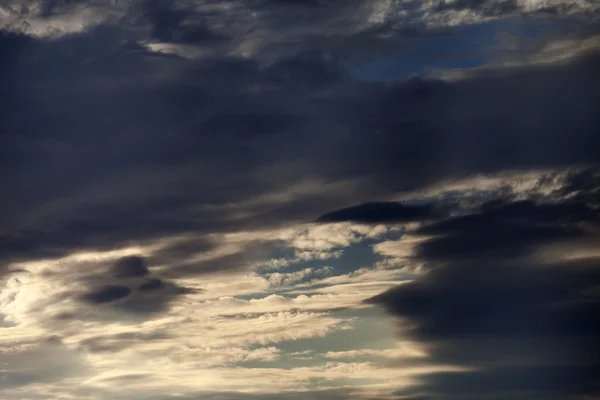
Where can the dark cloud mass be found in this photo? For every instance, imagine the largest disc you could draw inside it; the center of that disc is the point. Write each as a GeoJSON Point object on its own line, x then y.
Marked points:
{"type": "Point", "coordinates": [128, 289]}
{"type": "Point", "coordinates": [152, 284]}
{"type": "Point", "coordinates": [509, 230]}
{"type": "Point", "coordinates": [188, 144]}
{"type": "Point", "coordinates": [176, 25]}
{"type": "Point", "coordinates": [493, 301]}
{"type": "Point", "coordinates": [129, 267]}
{"type": "Point", "coordinates": [206, 137]}
{"type": "Point", "coordinates": [107, 294]}
{"type": "Point", "coordinates": [374, 213]}
{"type": "Point", "coordinates": [493, 8]}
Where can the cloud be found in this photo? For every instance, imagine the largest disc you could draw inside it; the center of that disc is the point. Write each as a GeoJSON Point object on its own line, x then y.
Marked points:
{"type": "Point", "coordinates": [278, 279]}
{"type": "Point", "coordinates": [130, 266]}
{"type": "Point", "coordinates": [489, 301]}
{"type": "Point", "coordinates": [377, 213]}
{"type": "Point", "coordinates": [40, 361]}
{"type": "Point", "coordinates": [431, 127]}
{"type": "Point", "coordinates": [401, 252]}
{"type": "Point", "coordinates": [459, 12]}
{"type": "Point", "coordinates": [165, 160]}
{"type": "Point", "coordinates": [469, 136]}
{"type": "Point", "coordinates": [152, 284]}
{"type": "Point", "coordinates": [115, 342]}
{"type": "Point", "coordinates": [405, 351]}
{"type": "Point", "coordinates": [311, 68]}
{"type": "Point", "coordinates": [486, 8]}
{"type": "Point", "coordinates": [508, 230]}
{"type": "Point", "coordinates": [107, 294]}
{"type": "Point", "coordinates": [169, 24]}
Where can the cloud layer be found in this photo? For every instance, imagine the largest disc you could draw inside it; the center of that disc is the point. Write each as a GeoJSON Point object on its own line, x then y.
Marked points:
{"type": "Point", "coordinates": [495, 301]}
{"type": "Point", "coordinates": [218, 198]}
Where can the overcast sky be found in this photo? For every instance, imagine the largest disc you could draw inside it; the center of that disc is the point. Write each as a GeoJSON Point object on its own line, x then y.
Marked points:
{"type": "Point", "coordinates": [299, 199]}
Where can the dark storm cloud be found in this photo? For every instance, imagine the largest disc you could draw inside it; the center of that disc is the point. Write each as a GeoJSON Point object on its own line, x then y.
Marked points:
{"type": "Point", "coordinates": [250, 124]}
{"type": "Point", "coordinates": [118, 157]}
{"type": "Point", "coordinates": [496, 300]}
{"type": "Point", "coordinates": [131, 266]}
{"type": "Point", "coordinates": [279, 25]}
{"type": "Point", "coordinates": [300, 3]}
{"type": "Point", "coordinates": [152, 284]}
{"type": "Point", "coordinates": [508, 230]}
{"type": "Point", "coordinates": [168, 23]}
{"type": "Point", "coordinates": [101, 233]}
{"type": "Point", "coordinates": [140, 301]}
{"type": "Point", "coordinates": [492, 301]}
{"type": "Point", "coordinates": [13, 45]}
{"type": "Point", "coordinates": [376, 213]}
{"type": "Point", "coordinates": [502, 240]}
{"type": "Point", "coordinates": [484, 7]}
{"type": "Point", "coordinates": [49, 8]}
{"type": "Point", "coordinates": [107, 294]}
{"type": "Point", "coordinates": [504, 8]}
{"type": "Point", "coordinates": [108, 146]}
{"type": "Point", "coordinates": [126, 287]}
{"type": "Point", "coordinates": [522, 383]}
{"type": "Point", "coordinates": [313, 68]}
{"type": "Point", "coordinates": [495, 119]}
{"type": "Point", "coordinates": [153, 296]}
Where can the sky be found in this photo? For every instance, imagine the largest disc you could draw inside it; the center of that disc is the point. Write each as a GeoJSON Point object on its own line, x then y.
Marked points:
{"type": "Point", "coordinates": [299, 199]}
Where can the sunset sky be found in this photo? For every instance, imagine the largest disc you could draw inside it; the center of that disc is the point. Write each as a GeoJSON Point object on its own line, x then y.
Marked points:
{"type": "Point", "coordinates": [299, 199]}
